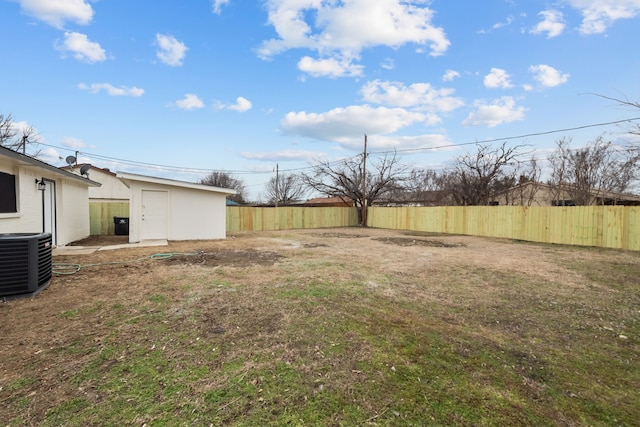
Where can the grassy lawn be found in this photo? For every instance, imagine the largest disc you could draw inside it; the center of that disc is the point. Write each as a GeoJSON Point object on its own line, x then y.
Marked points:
{"type": "Point", "coordinates": [327, 336]}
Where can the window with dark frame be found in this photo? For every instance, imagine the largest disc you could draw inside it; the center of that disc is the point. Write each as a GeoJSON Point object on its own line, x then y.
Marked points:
{"type": "Point", "coordinates": [8, 199]}
{"type": "Point", "coordinates": [563, 203]}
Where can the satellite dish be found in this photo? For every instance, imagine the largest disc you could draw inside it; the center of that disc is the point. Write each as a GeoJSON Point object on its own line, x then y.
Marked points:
{"type": "Point", "coordinates": [84, 170]}
{"type": "Point", "coordinates": [71, 160]}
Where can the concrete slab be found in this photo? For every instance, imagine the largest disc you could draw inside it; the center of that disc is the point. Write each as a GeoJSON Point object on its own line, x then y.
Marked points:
{"type": "Point", "coordinates": [74, 250]}
{"type": "Point", "coordinates": [85, 250]}
{"type": "Point", "coordinates": [144, 243]}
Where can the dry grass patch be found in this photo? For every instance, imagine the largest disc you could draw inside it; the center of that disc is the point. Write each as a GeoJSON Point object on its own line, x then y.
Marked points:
{"type": "Point", "coordinates": [329, 327]}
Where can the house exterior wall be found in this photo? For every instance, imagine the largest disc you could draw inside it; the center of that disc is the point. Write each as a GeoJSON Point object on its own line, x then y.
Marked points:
{"type": "Point", "coordinates": [72, 205]}
{"type": "Point", "coordinates": [28, 219]}
{"type": "Point", "coordinates": [191, 214]}
{"type": "Point", "coordinates": [540, 194]}
{"type": "Point", "coordinates": [530, 195]}
{"type": "Point", "coordinates": [112, 188]}
{"type": "Point", "coordinates": [71, 210]}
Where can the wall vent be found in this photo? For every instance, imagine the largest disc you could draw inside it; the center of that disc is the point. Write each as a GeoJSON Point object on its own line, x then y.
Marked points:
{"type": "Point", "coordinates": [25, 263]}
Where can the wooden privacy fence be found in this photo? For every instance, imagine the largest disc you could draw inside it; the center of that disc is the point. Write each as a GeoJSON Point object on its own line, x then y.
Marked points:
{"type": "Point", "coordinates": [603, 226]}
{"type": "Point", "coordinates": [243, 218]}
{"type": "Point", "coordinates": [101, 216]}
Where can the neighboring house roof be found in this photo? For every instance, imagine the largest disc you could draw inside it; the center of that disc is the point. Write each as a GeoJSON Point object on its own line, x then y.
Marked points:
{"type": "Point", "coordinates": [79, 165]}
{"type": "Point", "coordinates": [328, 201]}
{"type": "Point", "coordinates": [128, 177]}
{"type": "Point", "coordinates": [602, 195]}
{"type": "Point", "coordinates": [32, 161]}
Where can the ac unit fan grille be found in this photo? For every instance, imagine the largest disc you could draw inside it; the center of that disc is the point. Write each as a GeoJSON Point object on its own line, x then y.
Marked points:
{"type": "Point", "coordinates": [44, 260]}
{"type": "Point", "coordinates": [25, 263]}
{"type": "Point", "coordinates": [14, 264]}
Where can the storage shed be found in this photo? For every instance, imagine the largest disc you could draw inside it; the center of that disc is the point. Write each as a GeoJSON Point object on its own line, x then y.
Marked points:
{"type": "Point", "coordinates": [166, 209]}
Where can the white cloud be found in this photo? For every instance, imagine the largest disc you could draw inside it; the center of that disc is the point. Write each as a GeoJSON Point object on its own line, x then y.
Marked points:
{"type": "Point", "coordinates": [503, 110]}
{"type": "Point", "coordinates": [548, 76]}
{"type": "Point", "coordinates": [343, 29]}
{"type": "Point", "coordinates": [347, 125]}
{"type": "Point", "coordinates": [112, 90]}
{"type": "Point", "coordinates": [507, 22]}
{"type": "Point", "coordinates": [22, 127]}
{"type": "Point", "coordinates": [170, 51]}
{"type": "Point", "coordinates": [421, 96]}
{"type": "Point", "coordinates": [217, 5]}
{"type": "Point", "coordinates": [71, 142]}
{"type": "Point", "coordinates": [283, 156]}
{"type": "Point", "coordinates": [82, 48]}
{"type": "Point", "coordinates": [241, 105]}
{"type": "Point", "coordinates": [497, 79]}
{"type": "Point", "coordinates": [598, 15]}
{"type": "Point", "coordinates": [552, 24]}
{"type": "Point", "coordinates": [329, 67]}
{"type": "Point", "coordinates": [57, 12]}
{"type": "Point", "coordinates": [189, 102]}
{"type": "Point", "coordinates": [407, 142]}
{"type": "Point", "coordinates": [449, 75]}
{"type": "Point", "coordinates": [388, 64]}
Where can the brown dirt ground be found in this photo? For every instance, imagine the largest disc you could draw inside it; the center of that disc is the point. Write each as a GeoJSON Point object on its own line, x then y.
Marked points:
{"type": "Point", "coordinates": [31, 328]}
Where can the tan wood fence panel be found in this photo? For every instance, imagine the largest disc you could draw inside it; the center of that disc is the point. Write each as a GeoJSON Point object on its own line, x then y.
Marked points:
{"type": "Point", "coordinates": [603, 226]}
{"type": "Point", "coordinates": [244, 218]}
{"type": "Point", "coordinates": [101, 216]}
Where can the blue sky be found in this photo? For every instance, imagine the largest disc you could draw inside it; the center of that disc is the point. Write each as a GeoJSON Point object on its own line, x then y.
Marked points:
{"type": "Point", "coordinates": [241, 86]}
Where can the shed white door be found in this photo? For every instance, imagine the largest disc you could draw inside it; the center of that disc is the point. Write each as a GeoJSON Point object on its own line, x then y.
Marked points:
{"type": "Point", "coordinates": [155, 214]}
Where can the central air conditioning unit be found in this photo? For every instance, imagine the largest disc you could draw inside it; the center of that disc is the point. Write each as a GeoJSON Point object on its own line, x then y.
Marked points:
{"type": "Point", "coordinates": [25, 263]}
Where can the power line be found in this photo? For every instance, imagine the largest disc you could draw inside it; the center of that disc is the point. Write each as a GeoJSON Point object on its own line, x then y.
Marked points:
{"type": "Point", "coordinates": [486, 141]}
{"type": "Point", "coordinates": [335, 162]}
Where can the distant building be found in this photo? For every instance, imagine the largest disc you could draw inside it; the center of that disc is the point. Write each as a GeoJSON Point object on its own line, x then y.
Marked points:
{"type": "Point", "coordinates": [540, 194]}
{"type": "Point", "coordinates": [329, 202]}
{"type": "Point", "coordinates": [111, 190]}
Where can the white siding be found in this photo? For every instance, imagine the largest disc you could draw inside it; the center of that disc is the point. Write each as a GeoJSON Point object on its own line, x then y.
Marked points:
{"type": "Point", "coordinates": [193, 214]}
{"type": "Point", "coordinates": [112, 188]}
{"type": "Point", "coordinates": [73, 212]}
{"type": "Point", "coordinates": [72, 204]}
{"type": "Point", "coordinates": [28, 219]}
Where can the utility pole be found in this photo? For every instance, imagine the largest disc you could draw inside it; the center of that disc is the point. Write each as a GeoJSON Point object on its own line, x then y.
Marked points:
{"type": "Point", "coordinates": [364, 184]}
{"type": "Point", "coordinates": [277, 185]}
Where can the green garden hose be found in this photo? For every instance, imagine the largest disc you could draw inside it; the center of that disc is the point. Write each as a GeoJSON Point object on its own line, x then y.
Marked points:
{"type": "Point", "coordinates": [61, 268]}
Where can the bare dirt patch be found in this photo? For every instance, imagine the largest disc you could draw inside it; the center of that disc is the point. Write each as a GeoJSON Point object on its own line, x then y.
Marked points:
{"type": "Point", "coordinates": [407, 241]}
{"type": "Point", "coordinates": [101, 241]}
{"type": "Point", "coordinates": [234, 258]}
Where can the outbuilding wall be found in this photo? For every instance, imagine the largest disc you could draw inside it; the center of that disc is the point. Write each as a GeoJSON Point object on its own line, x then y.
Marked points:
{"type": "Point", "coordinates": [192, 214]}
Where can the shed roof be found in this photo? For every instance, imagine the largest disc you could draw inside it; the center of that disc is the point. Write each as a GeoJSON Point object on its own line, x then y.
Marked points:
{"type": "Point", "coordinates": [126, 178]}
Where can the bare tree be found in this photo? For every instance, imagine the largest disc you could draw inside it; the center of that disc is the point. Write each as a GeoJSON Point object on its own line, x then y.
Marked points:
{"type": "Point", "coordinates": [634, 128]}
{"type": "Point", "coordinates": [584, 175]}
{"type": "Point", "coordinates": [345, 179]}
{"type": "Point", "coordinates": [18, 138]}
{"type": "Point", "coordinates": [225, 180]}
{"type": "Point", "coordinates": [425, 187]}
{"type": "Point", "coordinates": [478, 176]}
{"type": "Point", "coordinates": [285, 189]}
